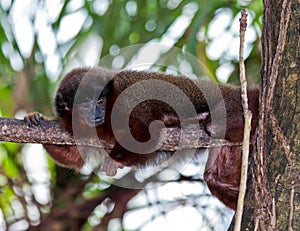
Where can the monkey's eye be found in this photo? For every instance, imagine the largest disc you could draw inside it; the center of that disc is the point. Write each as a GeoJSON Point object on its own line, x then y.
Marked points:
{"type": "Point", "coordinates": [100, 102]}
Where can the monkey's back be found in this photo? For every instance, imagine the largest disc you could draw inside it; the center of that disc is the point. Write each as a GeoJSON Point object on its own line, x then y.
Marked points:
{"type": "Point", "coordinates": [197, 91]}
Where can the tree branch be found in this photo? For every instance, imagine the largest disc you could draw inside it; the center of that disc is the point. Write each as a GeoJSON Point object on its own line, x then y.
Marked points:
{"type": "Point", "coordinates": [50, 132]}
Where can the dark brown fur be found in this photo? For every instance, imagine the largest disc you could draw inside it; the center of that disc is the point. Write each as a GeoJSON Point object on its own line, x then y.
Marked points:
{"type": "Point", "coordinates": [222, 176]}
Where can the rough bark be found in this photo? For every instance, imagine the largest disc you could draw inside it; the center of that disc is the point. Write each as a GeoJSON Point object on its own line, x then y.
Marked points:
{"type": "Point", "coordinates": [275, 183]}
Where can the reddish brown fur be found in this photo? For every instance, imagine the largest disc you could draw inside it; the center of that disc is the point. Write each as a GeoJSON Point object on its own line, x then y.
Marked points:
{"type": "Point", "coordinates": [65, 155]}
{"type": "Point", "coordinates": [222, 176]}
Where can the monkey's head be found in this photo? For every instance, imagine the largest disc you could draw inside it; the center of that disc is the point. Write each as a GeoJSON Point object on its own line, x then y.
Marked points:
{"type": "Point", "coordinates": [83, 93]}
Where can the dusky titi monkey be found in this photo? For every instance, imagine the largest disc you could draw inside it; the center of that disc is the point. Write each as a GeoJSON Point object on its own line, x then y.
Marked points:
{"type": "Point", "coordinates": [100, 90]}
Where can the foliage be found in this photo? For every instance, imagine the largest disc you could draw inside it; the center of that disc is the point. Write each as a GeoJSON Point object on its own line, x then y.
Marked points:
{"type": "Point", "coordinates": [37, 48]}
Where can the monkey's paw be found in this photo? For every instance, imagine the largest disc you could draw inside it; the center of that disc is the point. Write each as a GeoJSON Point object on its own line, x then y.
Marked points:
{"type": "Point", "coordinates": [33, 118]}
{"type": "Point", "coordinates": [110, 166]}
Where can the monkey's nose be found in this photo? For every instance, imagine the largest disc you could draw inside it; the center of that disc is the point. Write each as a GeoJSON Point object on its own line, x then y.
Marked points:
{"type": "Point", "coordinates": [95, 119]}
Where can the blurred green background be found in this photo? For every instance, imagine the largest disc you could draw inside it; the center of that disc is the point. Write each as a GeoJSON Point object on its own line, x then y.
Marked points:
{"type": "Point", "coordinates": [42, 40]}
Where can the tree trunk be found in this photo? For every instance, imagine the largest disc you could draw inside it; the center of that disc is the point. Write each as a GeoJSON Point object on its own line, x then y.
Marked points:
{"type": "Point", "coordinates": [275, 183]}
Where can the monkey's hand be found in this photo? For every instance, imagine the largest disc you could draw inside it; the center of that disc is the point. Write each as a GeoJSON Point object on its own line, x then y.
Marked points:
{"type": "Point", "coordinates": [110, 166]}
{"type": "Point", "coordinates": [34, 118]}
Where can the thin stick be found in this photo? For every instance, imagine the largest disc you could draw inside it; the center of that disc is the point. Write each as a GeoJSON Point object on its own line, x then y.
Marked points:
{"type": "Point", "coordinates": [247, 126]}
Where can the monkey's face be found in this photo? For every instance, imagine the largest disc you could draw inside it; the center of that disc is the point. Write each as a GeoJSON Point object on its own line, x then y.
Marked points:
{"type": "Point", "coordinates": [91, 112]}
{"type": "Point", "coordinates": [81, 98]}
{"type": "Point", "coordinates": [90, 109]}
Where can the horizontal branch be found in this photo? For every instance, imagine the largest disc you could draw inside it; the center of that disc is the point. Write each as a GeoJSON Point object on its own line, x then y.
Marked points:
{"type": "Point", "coordinates": [50, 132]}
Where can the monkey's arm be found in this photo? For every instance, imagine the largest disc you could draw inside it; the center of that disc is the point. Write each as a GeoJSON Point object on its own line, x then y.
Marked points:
{"type": "Point", "coordinates": [65, 155]}
{"type": "Point", "coordinates": [69, 155]}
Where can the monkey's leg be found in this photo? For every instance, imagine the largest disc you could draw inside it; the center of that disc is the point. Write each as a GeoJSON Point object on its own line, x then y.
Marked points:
{"type": "Point", "coordinates": [223, 175]}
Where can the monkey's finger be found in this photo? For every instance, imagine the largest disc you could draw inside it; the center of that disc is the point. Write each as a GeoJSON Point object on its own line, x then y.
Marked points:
{"type": "Point", "coordinates": [33, 118]}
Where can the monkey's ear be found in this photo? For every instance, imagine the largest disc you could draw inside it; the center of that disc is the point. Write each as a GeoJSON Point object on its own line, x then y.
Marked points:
{"type": "Point", "coordinates": [62, 103]}
{"type": "Point", "coordinates": [108, 87]}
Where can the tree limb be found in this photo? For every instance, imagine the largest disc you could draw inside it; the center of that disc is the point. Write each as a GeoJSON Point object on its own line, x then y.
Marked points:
{"type": "Point", "coordinates": [50, 132]}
